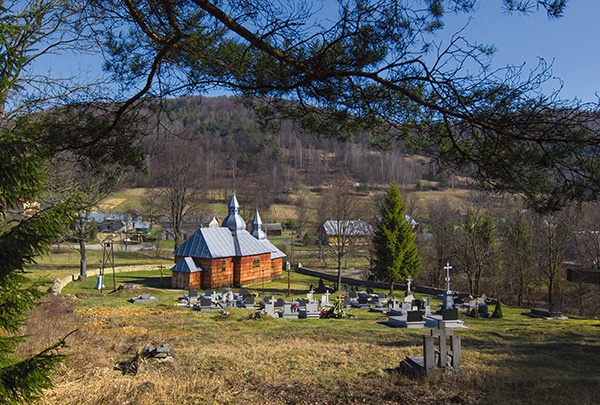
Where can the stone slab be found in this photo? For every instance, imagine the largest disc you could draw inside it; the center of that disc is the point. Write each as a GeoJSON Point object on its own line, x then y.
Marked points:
{"type": "Point", "coordinates": [433, 321]}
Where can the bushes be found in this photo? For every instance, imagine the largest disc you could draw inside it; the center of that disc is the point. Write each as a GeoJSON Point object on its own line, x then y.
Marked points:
{"type": "Point", "coordinates": [497, 314]}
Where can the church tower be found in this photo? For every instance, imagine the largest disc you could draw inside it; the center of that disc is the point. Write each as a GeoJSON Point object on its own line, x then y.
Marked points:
{"type": "Point", "coordinates": [257, 231]}
{"type": "Point", "coordinates": [233, 220]}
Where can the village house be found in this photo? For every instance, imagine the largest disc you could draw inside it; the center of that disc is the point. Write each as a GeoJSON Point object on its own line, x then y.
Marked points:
{"type": "Point", "coordinates": [357, 232]}
{"type": "Point", "coordinates": [227, 255]}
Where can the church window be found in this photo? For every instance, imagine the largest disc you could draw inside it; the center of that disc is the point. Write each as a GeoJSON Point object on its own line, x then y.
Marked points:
{"type": "Point", "coordinates": [223, 264]}
{"type": "Point", "coordinates": [256, 262]}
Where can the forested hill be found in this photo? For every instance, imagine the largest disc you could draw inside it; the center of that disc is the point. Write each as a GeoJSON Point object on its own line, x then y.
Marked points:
{"type": "Point", "coordinates": [219, 139]}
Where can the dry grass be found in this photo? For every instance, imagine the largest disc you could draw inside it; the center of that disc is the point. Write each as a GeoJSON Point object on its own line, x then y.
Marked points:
{"type": "Point", "coordinates": [279, 361]}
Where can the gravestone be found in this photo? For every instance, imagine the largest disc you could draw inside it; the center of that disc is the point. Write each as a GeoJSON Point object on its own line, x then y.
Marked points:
{"type": "Point", "coordinates": [446, 360]}
{"type": "Point", "coordinates": [270, 309]}
{"type": "Point", "coordinates": [228, 297]}
{"type": "Point", "coordinates": [483, 310]}
{"type": "Point", "coordinates": [142, 299]}
{"type": "Point", "coordinates": [369, 290]}
{"type": "Point", "coordinates": [192, 297]}
{"type": "Point", "coordinates": [450, 314]}
{"type": "Point", "coordinates": [279, 303]}
{"type": "Point", "coordinates": [427, 308]}
{"type": "Point", "coordinates": [312, 311]}
{"type": "Point", "coordinates": [410, 319]}
{"type": "Point", "coordinates": [289, 311]}
{"type": "Point", "coordinates": [394, 303]}
{"type": "Point", "coordinates": [249, 301]}
{"type": "Point", "coordinates": [362, 302]}
{"type": "Point", "coordinates": [414, 316]}
{"type": "Point", "coordinates": [325, 300]}
{"type": "Point", "coordinates": [206, 304]}
{"type": "Point", "coordinates": [309, 295]}
{"type": "Point", "coordinates": [243, 293]}
{"type": "Point", "coordinates": [346, 303]}
{"type": "Point", "coordinates": [352, 294]}
{"type": "Point", "coordinates": [545, 313]}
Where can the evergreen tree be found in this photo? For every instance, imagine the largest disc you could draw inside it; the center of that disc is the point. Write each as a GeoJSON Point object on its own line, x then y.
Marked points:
{"type": "Point", "coordinates": [394, 246]}
{"type": "Point", "coordinates": [23, 236]}
{"type": "Point", "coordinates": [497, 314]}
{"type": "Point", "coordinates": [41, 120]}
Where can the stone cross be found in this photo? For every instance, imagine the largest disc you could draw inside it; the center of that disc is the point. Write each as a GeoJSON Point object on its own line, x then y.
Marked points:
{"type": "Point", "coordinates": [408, 282]}
{"type": "Point", "coordinates": [448, 268]}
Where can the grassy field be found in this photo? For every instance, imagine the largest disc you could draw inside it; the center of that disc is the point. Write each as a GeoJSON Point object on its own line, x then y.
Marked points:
{"type": "Point", "coordinates": [514, 360]}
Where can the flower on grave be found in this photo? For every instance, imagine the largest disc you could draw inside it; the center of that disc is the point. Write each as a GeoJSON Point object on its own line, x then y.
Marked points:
{"type": "Point", "coordinates": [295, 304]}
{"type": "Point", "coordinates": [224, 314]}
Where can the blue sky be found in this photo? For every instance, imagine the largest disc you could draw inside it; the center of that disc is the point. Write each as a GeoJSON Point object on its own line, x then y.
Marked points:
{"type": "Point", "coordinates": [571, 43]}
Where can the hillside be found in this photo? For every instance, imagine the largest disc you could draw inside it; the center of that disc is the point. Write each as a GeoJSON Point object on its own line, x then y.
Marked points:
{"type": "Point", "coordinates": [225, 140]}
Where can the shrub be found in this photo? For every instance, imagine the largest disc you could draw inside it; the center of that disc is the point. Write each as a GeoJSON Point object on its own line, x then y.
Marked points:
{"type": "Point", "coordinates": [497, 314]}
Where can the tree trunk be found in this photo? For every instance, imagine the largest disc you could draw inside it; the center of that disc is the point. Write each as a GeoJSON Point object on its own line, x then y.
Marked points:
{"type": "Point", "coordinates": [82, 260]}
{"type": "Point", "coordinates": [339, 282]}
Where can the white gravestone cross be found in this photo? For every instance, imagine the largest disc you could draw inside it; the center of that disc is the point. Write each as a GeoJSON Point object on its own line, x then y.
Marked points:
{"type": "Point", "coordinates": [448, 294]}
{"type": "Point", "coordinates": [448, 268]}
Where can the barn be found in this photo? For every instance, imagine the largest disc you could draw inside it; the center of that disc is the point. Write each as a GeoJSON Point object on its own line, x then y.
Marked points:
{"type": "Point", "coordinates": [227, 256]}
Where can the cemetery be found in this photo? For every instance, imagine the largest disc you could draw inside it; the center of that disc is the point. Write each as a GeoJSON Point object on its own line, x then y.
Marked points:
{"type": "Point", "coordinates": [261, 344]}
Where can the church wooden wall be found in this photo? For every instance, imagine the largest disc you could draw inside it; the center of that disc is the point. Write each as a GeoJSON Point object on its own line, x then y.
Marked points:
{"type": "Point", "coordinates": [245, 273]}
{"type": "Point", "coordinates": [277, 268]}
{"type": "Point", "coordinates": [186, 280]}
{"type": "Point", "coordinates": [214, 276]}
{"type": "Point", "coordinates": [239, 271]}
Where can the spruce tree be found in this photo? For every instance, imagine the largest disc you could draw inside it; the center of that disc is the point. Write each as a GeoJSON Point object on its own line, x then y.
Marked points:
{"type": "Point", "coordinates": [497, 314]}
{"type": "Point", "coordinates": [396, 254]}
{"type": "Point", "coordinates": [23, 235]}
{"type": "Point", "coordinates": [44, 121]}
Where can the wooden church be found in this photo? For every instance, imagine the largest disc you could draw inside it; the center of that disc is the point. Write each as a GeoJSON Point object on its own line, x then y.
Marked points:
{"type": "Point", "coordinates": [227, 256]}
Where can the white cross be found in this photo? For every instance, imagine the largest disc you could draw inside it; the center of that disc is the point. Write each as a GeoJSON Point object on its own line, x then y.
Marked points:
{"type": "Point", "coordinates": [408, 281]}
{"type": "Point", "coordinates": [447, 268]}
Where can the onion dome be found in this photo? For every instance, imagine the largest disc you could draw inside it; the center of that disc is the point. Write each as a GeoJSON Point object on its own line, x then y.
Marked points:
{"type": "Point", "coordinates": [257, 231]}
{"type": "Point", "coordinates": [233, 220]}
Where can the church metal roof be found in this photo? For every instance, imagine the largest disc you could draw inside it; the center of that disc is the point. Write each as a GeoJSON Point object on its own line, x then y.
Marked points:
{"type": "Point", "coordinates": [186, 265]}
{"type": "Point", "coordinates": [212, 243]}
{"type": "Point", "coordinates": [229, 240]}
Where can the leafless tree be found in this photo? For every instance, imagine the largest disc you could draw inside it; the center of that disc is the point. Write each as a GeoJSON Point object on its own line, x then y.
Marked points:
{"type": "Point", "coordinates": [443, 218]}
{"type": "Point", "coordinates": [516, 242]}
{"type": "Point", "coordinates": [551, 234]}
{"type": "Point", "coordinates": [475, 246]}
{"type": "Point", "coordinates": [180, 178]}
{"type": "Point", "coordinates": [343, 209]}
{"type": "Point", "coordinates": [70, 177]}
